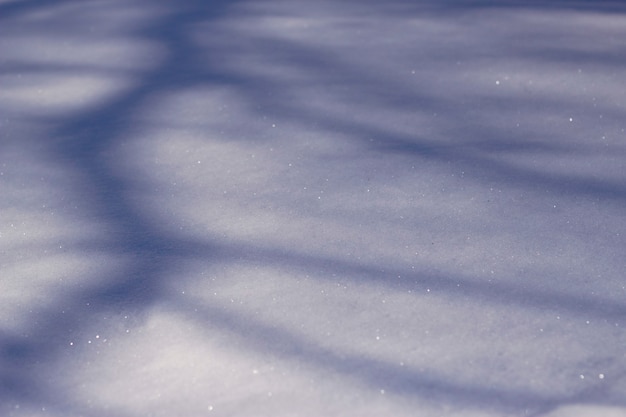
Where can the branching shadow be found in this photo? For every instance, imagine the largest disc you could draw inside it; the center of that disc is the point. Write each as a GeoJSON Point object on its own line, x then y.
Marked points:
{"type": "Point", "coordinates": [80, 140]}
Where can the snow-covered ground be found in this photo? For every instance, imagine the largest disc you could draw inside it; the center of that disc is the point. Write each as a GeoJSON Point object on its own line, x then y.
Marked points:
{"type": "Point", "coordinates": [314, 208]}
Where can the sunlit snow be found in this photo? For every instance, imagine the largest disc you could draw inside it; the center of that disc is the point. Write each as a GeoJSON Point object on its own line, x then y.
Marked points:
{"type": "Point", "coordinates": [279, 208]}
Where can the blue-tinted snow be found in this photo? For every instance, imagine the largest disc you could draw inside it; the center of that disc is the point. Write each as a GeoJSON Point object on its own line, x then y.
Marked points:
{"type": "Point", "coordinates": [312, 208]}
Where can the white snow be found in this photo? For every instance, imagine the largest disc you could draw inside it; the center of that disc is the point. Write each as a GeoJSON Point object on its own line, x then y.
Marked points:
{"type": "Point", "coordinates": [312, 208]}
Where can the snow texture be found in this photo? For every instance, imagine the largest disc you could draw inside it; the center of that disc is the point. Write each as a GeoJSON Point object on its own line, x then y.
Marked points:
{"type": "Point", "coordinates": [337, 208]}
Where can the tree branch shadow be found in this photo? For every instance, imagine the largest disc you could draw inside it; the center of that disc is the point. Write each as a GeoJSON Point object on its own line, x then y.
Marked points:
{"type": "Point", "coordinates": [80, 140]}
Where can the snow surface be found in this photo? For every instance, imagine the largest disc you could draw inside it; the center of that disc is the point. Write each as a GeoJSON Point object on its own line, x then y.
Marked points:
{"type": "Point", "coordinates": [350, 208]}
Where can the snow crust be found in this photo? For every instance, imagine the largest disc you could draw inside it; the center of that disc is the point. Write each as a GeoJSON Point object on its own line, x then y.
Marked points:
{"type": "Point", "coordinates": [280, 208]}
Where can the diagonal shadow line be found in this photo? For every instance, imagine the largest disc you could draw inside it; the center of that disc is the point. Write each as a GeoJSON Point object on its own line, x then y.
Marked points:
{"type": "Point", "coordinates": [370, 372]}
{"type": "Point", "coordinates": [390, 142]}
{"type": "Point", "coordinates": [465, 287]}
{"type": "Point", "coordinates": [470, 156]}
{"type": "Point", "coordinates": [326, 267]}
{"type": "Point", "coordinates": [143, 289]}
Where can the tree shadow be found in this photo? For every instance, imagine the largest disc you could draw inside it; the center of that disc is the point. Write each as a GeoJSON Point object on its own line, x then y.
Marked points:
{"type": "Point", "coordinates": [81, 140]}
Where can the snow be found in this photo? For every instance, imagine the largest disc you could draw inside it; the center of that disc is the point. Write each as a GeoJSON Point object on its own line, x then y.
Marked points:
{"type": "Point", "coordinates": [312, 208]}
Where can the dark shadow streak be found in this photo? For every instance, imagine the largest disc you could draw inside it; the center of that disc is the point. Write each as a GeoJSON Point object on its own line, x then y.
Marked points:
{"type": "Point", "coordinates": [334, 269]}
{"type": "Point", "coordinates": [375, 374]}
{"type": "Point", "coordinates": [83, 139]}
